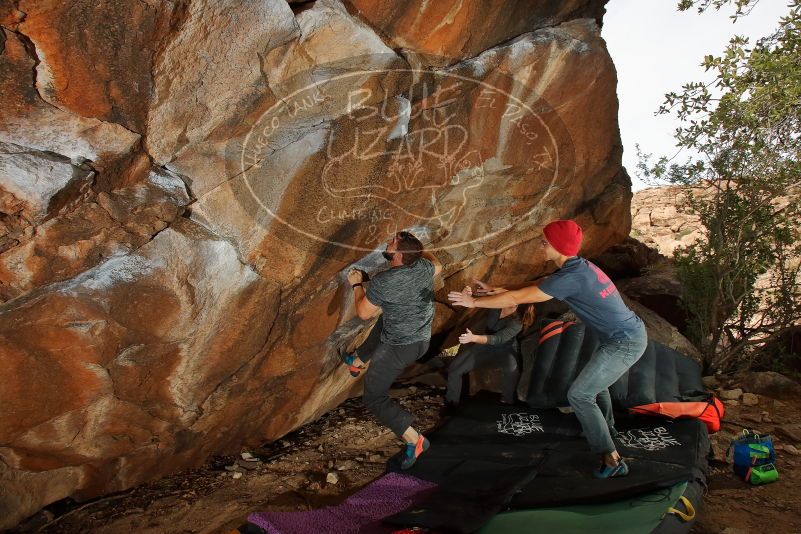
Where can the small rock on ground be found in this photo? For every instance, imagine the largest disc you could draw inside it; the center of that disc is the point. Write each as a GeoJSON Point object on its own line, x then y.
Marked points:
{"type": "Point", "coordinates": [731, 394]}
{"type": "Point", "coordinates": [750, 399]}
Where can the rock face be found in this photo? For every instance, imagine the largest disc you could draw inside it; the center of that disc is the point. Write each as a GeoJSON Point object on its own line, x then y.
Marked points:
{"type": "Point", "coordinates": [183, 186]}
{"type": "Point", "coordinates": [442, 33]}
{"type": "Point", "coordinates": [629, 259]}
{"type": "Point", "coordinates": [771, 384]}
{"type": "Point", "coordinates": [659, 290]}
{"type": "Point", "coordinates": [661, 220]}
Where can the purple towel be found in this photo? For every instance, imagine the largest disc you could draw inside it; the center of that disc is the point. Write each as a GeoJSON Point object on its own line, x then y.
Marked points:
{"type": "Point", "coordinates": [361, 512]}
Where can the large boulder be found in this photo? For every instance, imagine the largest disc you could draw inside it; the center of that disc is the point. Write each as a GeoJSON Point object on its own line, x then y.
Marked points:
{"type": "Point", "coordinates": [89, 229]}
{"type": "Point", "coordinates": [628, 259]}
{"type": "Point", "coordinates": [659, 290]}
{"type": "Point", "coordinates": [210, 70]}
{"type": "Point", "coordinates": [183, 186]}
{"type": "Point", "coordinates": [103, 73]}
{"type": "Point", "coordinates": [770, 384]}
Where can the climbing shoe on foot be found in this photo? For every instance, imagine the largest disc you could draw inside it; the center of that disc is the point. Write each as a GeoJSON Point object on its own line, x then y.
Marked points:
{"type": "Point", "coordinates": [413, 451]}
{"type": "Point", "coordinates": [348, 359]}
{"type": "Point", "coordinates": [605, 471]}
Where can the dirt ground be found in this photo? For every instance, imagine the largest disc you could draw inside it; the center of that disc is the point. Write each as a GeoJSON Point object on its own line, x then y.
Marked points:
{"type": "Point", "coordinates": [732, 506]}
{"type": "Point", "coordinates": [323, 462]}
{"type": "Point", "coordinates": [347, 442]}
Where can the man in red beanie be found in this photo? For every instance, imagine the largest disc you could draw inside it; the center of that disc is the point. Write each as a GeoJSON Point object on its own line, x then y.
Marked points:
{"type": "Point", "coordinates": [594, 299]}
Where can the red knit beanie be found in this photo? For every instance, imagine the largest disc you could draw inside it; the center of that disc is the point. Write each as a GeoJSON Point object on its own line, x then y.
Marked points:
{"type": "Point", "coordinates": [564, 236]}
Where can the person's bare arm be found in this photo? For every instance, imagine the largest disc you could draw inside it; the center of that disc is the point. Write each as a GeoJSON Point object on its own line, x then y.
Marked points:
{"type": "Point", "coordinates": [433, 259]}
{"type": "Point", "coordinates": [525, 295]}
{"type": "Point", "coordinates": [486, 289]}
{"type": "Point", "coordinates": [364, 308]}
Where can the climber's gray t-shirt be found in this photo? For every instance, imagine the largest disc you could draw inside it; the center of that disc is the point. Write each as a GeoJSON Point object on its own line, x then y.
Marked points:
{"type": "Point", "coordinates": [593, 298]}
{"type": "Point", "coordinates": [406, 296]}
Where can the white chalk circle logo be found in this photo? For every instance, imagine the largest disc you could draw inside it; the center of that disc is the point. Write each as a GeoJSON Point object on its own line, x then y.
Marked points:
{"type": "Point", "coordinates": [351, 156]}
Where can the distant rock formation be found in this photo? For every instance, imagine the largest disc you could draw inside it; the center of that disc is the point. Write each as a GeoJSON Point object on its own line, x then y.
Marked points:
{"type": "Point", "coordinates": [658, 221]}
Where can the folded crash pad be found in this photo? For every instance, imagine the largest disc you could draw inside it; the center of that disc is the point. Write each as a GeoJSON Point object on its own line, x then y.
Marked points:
{"type": "Point", "coordinates": [660, 375]}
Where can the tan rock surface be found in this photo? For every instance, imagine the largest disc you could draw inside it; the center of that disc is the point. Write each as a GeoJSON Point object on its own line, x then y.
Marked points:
{"type": "Point", "coordinates": [126, 364]}
{"type": "Point", "coordinates": [29, 121]}
{"type": "Point", "coordinates": [96, 57]}
{"type": "Point", "coordinates": [211, 68]}
{"type": "Point", "coordinates": [442, 33]}
{"type": "Point", "coordinates": [658, 221]}
{"type": "Point", "coordinates": [101, 226]}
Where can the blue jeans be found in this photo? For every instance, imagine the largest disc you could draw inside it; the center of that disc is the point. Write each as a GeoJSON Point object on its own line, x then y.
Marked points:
{"type": "Point", "coordinates": [589, 394]}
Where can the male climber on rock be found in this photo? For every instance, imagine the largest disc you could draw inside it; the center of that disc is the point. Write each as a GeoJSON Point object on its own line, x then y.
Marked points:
{"type": "Point", "coordinates": [405, 295]}
{"type": "Point", "coordinates": [592, 296]}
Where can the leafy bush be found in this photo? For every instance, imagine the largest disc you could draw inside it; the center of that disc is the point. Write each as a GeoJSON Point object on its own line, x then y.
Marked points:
{"type": "Point", "coordinates": [742, 281]}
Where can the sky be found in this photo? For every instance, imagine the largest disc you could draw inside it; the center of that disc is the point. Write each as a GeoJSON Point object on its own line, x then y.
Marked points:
{"type": "Point", "coordinates": [656, 49]}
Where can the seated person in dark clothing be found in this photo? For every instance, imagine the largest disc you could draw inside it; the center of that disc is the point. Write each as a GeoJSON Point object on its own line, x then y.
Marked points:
{"type": "Point", "coordinates": [498, 348]}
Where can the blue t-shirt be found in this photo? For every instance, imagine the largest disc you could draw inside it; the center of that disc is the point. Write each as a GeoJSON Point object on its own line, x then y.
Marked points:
{"type": "Point", "coordinates": [593, 298]}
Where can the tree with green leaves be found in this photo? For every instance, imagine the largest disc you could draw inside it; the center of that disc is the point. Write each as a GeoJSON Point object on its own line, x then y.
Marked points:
{"type": "Point", "coordinates": [740, 135]}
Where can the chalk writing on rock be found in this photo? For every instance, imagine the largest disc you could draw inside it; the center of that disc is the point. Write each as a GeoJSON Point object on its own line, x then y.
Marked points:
{"type": "Point", "coordinates": [351, 156]}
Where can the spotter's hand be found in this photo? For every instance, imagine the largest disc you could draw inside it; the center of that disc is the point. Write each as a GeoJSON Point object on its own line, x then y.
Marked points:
{"type": "Point", "coordinates": [467, 337]}
{"type": "Point", "coordinates": [483, 288]}
{"type": "Point", "coordinates": [463, 298]}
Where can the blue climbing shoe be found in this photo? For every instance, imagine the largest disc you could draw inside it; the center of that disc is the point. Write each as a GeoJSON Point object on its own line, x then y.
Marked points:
{"type": "Point", "coordinates": [413, 451]}
{"type": "Point", "coordinates": [620, 470]}
{"type": "Point", "coordinates": [348, 360]}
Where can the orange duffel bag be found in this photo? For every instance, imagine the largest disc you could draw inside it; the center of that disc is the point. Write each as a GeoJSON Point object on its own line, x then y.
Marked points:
{"type": "Point", "coordinates": [709, 411]}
